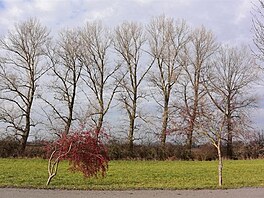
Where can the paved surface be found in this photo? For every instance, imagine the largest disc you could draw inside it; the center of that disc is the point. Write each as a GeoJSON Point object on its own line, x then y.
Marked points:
{"type": "Point", "coordinates": [35, 193]}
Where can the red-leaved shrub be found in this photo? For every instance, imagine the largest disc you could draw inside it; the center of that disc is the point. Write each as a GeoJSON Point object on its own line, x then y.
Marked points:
{"type": "Point", "coordinates": [84, 151]}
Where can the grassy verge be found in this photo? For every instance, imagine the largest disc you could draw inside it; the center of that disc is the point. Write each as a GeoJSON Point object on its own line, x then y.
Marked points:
{"type": "Point", "coordinates": [124, 175]}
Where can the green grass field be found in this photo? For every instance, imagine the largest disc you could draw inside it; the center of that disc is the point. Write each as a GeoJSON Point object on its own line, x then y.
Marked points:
{"type": "Point", "coordinates": [122, 175]}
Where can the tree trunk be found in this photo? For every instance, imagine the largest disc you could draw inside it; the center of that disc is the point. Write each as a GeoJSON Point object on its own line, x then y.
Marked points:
{"type": "Point", "coordinates": [229, 148]}
{"type": "Point", "coordinates": [131, 136]}
{"type": "Point", "coordinates": [220, 164]}
{"type": "Point", "coordinates": [23, 144]}
{"type": "Point", "coordinates": [26, 131]}
{"type": "Point", "coordinates": [229, 151]}
{"type": "Point", "coordinates": [99, 124]}
{"type": "Point", "coordinates": [189, 143]}
{"type": "Point", "coordinates": [165, 117]}
{"type": "Point", "coordinates": [71, 107]}
{"type": "Point", "coordinates": [25, 135]}
{"type": "Point", "coordinates": [101, 101]}
{"type": "Point", "coordinates": [132, 117]}
{"type": "Point", "coordinates": [49, 180]}
{"type": "Point", "coordinates": [229, 145]}
{"type": "Point", "coordinates": [193, 116]}
{"type": "Point", "coordinates": [190, 134]}
{"type": "Point", "coordinates": [68, 125]}
{"type": "Point", "coordinates": [69, 119]}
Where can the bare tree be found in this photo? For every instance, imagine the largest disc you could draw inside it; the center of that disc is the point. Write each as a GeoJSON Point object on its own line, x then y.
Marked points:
{"type": "Point", "coordinates": [129, 43]}
{"type": "Point", "coordinates": [212, 127]}
{"type": "Point", "coordinates": [98, 74]}
{"type": "Point", "coordinates": [65, 73]}
{"type": "Point", "coordinates": [258, 28]}
{"type": "Point", "coordinates": [22, 66]}
{"type": "Point", "coordinates": [194, 60]}
{"type": "Point", "coordinates": [229, 79]}
{"type": "Point", "coordinates": [167, 39]}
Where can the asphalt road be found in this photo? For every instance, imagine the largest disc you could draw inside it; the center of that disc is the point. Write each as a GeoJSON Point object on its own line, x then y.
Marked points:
{"type": "Point", "coordinates": [37, 193]}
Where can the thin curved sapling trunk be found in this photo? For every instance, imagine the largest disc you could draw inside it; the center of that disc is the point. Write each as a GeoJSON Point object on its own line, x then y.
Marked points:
{"type": "Point", "coordinates": [54, 164]}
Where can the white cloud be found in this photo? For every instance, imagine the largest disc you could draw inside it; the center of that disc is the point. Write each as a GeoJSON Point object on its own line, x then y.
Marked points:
{"type": "Point", "coordinates": [144, 1]}
{"type": "Point", "coordinates": [228, 19]}
{"type": "Point", "coordinates": [243, 10]}
{"type": "Point", "coordinates": [46, 5]}
{"type": "Point", "coordinates": [55, 14]}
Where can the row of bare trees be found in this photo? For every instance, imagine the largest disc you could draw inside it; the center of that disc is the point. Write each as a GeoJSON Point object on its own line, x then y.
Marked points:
{"type": "Point", "coordinates": [200, 87]}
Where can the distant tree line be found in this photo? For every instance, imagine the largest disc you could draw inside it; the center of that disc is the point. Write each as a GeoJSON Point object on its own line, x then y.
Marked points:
{"type": "Point", "coordinates": [118, 150]}
{"type": "Point", "coordinates": [201, 89]}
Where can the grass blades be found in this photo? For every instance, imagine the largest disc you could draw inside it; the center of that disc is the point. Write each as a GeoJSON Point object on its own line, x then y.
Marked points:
{"type": "Point", "coordinates": [123, 175]}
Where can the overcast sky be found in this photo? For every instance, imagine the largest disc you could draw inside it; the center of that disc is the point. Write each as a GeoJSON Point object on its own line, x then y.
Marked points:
{"type": "Point", "coordinates": [230, 20]}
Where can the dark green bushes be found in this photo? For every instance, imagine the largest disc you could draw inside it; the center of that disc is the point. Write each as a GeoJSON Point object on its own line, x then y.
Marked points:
{"type": "Point", "coordinates": [118, 150]}
{"type": "Point", "coordinates": [9, 147]}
